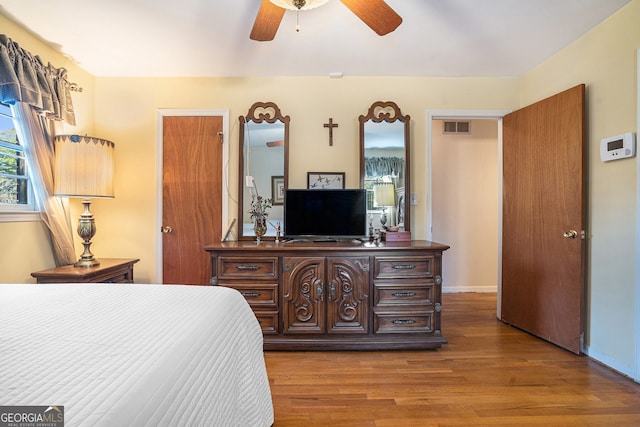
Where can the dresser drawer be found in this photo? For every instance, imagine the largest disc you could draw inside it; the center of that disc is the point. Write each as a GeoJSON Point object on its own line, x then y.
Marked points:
{"type": "Point", "coordinates": [411, 267]}
{"type": "Point", "coordinates": [258, 295]}
{"type": "Point", "coordinates": [120, 278]}
{"type": "Point", "coordinates": [268, 321]}
{"type": "Point", "coordinates": [393, 322]}
{"type": "Point", "coordinates": [260, 268]}
{"type": "Point", "coordinates": [387, 294]}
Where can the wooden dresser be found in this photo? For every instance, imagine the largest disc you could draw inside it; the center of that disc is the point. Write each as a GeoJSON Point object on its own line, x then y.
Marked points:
{"type": "Point", "coordinates": [337, 296]}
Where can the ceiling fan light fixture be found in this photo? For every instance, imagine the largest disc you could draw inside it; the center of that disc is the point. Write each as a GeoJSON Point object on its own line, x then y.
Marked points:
{"type": "Point", "coordinates": [298, 4]}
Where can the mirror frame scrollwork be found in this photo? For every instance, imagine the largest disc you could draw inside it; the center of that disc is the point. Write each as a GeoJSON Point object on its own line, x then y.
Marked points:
{"type": "Point", "coordinates": [259, 112]}
{"type": "Point", "coordinates": [389, 112]}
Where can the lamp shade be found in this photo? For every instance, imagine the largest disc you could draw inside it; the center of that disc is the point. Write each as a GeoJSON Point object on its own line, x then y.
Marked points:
{"type": "Point", "coordinates": [298, 4]}
{"type": "Point", "coordinates": [83, 166]}
{"type": "Point", "coordinates": [384, 194]}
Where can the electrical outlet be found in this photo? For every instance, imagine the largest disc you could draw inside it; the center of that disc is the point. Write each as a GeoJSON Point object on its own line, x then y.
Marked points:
{"type": "Point", "coordinates": [414, 198]}
{"type": "Point", "coordinates": [248, 181]}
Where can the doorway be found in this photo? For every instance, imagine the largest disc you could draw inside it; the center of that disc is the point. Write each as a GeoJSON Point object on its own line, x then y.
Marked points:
{"type": "Point", "coordinates": [465, 202]}
{"type": "Point", "coordinates": [434, 120]}
{"type": "Point", "coordinates": [220, 137]}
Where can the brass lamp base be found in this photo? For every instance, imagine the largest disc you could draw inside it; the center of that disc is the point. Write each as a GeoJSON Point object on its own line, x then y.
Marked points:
{"type": "Point", "coordinates": [86, 230]}
{"type": "Point", "coordinates": [86, 263]}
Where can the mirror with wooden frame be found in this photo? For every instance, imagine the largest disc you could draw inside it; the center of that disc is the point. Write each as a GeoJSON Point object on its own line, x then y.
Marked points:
{"type": "Point", "coordinates": [263, 165]}
{"type": "Point", "coordinates": [385, 164]}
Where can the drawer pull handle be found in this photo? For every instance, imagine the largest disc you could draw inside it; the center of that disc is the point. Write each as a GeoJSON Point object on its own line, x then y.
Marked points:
{"type": "Point", "coordinates": [404, 266]}
{"type": "Point", "coordinates": [250, 294]}
{"type": "Point", "coordinates": [403, 321]}
{"type": "Point", "coordinates": [404, 294]}
{"type": "Point", "coordinates": [243, 267]}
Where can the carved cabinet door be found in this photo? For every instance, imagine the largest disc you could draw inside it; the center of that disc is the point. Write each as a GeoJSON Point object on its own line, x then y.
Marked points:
{"type": "Point", "coordinates": [325, 295]}
{"type": "Point", "coordinates": [303, 295]}
{"type": "Point", "coordinates": [348, 295]}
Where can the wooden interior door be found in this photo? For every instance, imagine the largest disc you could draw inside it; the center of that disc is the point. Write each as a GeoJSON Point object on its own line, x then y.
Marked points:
{"type": "Point", "coordinates": [191, 196]}
{"type": "Point", "coordinates": [543, 261]}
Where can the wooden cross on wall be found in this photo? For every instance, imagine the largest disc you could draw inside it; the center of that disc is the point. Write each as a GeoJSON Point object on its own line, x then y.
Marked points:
{"type": "Point", "coordinates": [330, 125]}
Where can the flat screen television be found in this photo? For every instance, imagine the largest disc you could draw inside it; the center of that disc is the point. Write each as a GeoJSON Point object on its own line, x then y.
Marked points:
{"type": "Point", "coordinates": [325, 214]}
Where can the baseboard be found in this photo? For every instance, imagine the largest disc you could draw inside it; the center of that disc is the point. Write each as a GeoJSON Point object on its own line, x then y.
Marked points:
{"type": "Point", "coordinates": [612, 363]}
{"type": "Point", "coordinates": [459, 289]}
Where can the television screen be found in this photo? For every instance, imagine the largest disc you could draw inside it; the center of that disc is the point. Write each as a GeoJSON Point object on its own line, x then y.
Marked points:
{"type": "Point", "coordinates": [325, 214]}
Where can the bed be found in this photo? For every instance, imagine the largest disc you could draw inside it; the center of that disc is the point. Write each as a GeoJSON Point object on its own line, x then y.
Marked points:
{"type": "Point", "coordinates": [118, 355]}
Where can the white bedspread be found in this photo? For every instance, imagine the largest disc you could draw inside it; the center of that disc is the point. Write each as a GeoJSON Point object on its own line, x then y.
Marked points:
{"type": "Point", "coordinates": [120, 355]}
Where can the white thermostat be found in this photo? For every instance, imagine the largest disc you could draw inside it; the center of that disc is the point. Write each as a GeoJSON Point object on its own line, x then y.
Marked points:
{"type": "Point", "coordinates": [618, 147]}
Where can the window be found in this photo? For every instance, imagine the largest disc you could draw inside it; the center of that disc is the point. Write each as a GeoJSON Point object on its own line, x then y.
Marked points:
{"type": "Point", "coordinates": [15, 187]}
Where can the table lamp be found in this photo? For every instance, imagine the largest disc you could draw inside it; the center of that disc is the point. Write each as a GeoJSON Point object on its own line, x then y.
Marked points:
{"type": "Point", "coordinates": [384, 195]}
{"type": "Point", "coordinates": [84, 169]}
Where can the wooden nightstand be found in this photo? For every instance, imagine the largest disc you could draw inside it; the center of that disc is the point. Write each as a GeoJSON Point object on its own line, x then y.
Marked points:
{"type": "Point", "coordinates": [110, 270]}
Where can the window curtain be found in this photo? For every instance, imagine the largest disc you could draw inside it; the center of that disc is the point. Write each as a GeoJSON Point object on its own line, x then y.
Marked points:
{"type": "Point", "coordinates": [25, 78]}
{"type": "Point", "coordinates": [384, 166]}
{"type": "Point", "coordinates": [54, 211]}
{"type": "Point", "coordinates": [38, 94]}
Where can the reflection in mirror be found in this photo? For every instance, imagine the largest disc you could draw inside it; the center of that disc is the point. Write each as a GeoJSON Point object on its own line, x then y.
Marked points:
{"type": "Point", "coordinates": [264, 138]}
{"type": "Point", "coordinates": [384, 164]}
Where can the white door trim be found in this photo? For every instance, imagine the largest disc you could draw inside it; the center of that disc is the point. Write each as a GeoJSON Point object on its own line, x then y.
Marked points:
{"type": "Point", "coordinates": [162, 113]}
{"type": "Point", "coordinates": [463, 115]}
{"type": "Point", "coordinates": [636, 367]}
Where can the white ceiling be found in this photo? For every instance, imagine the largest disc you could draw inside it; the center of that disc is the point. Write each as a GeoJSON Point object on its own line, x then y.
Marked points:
{"type": "Point", "coordinates": [211, 37]}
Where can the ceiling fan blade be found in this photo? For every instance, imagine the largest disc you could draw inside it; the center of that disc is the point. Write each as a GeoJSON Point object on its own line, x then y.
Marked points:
{"type": "Point", "coordinates": [267, 22]}
{"type": "Point", "coordinates": [275, 143]}
{"type": "Point", "coordinates": [377, 14]}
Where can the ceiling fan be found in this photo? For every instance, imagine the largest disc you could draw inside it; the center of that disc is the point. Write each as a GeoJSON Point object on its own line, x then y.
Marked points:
{"type": "Point", "coordinates": [377, 14]}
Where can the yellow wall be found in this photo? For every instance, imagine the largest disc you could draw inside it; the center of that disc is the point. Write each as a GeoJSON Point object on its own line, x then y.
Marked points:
{"type": "Point", "coordinates": [127, 108]}
{"type": "Point", "coordinates": [605, 59]}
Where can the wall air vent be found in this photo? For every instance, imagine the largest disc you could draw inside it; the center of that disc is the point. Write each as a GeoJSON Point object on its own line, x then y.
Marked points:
{"type": "Point", "coordinates": [456, 127]}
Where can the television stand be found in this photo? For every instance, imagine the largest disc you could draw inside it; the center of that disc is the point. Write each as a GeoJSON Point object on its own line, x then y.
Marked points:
{"type": "Point", "coordinates": [337, 295]}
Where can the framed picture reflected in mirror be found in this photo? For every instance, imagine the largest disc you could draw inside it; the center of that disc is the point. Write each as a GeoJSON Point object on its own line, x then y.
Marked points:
{"type": "Point", "coordinates": [277, 190]}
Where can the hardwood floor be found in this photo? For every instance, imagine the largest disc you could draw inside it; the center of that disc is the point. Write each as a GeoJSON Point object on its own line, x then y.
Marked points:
{"type": "Point", "coordinates": [488, 374]}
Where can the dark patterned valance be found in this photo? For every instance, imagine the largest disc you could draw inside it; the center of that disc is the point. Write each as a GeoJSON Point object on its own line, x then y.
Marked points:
{"type": "Point", "coordinates": [25, 78]}
{"type": "Point", "coordinates": [382, 166]}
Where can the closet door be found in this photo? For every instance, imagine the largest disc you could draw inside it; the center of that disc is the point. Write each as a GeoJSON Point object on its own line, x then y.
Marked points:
{"type": "Point", "coordinates": [191, 196]}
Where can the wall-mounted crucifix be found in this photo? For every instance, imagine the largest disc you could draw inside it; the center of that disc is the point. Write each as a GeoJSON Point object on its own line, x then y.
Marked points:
{"type": "Point", "coordinates": [330, 125]}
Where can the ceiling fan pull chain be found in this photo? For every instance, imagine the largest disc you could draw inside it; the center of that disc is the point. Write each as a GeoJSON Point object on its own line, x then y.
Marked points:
{"type": "Point", "coordinates": [298, 21]}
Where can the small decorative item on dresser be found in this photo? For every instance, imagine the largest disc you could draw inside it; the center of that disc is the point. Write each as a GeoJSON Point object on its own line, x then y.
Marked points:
{"type": "Point", "coordinates": [258, 212]}
{"type": "Point", "coordinates": [259, 227]}
{"type": "Point", "coordinates": [398, 236]}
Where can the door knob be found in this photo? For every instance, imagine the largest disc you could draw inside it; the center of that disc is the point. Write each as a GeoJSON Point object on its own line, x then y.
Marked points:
{"type": "Point", "coordinates": [166, 229]}
{"type": "Point", "coordinates": [571, 234]}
